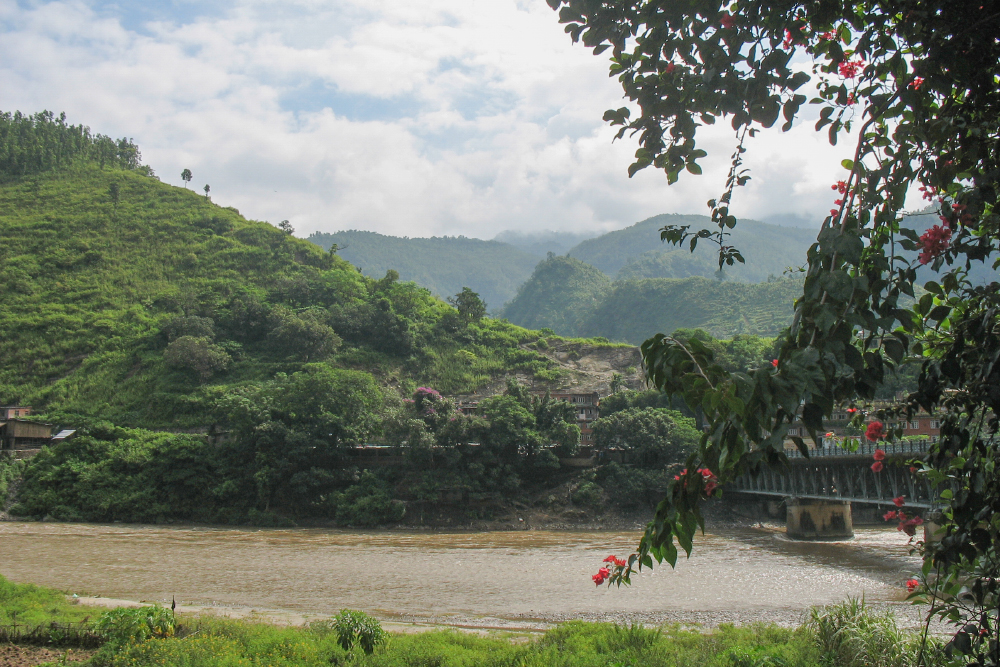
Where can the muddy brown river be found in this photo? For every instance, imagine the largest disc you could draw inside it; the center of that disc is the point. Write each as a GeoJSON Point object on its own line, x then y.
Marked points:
{"type": "Point", "coordinates": [508, 579]}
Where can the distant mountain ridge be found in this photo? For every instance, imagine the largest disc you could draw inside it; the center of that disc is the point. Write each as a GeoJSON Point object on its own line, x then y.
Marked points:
{"type": "Point", "coordinates": [573, 298]}
{"type": "Point", "coordinates": [637, 252]}
{"type": "Point", "coordinates": [442, 264]}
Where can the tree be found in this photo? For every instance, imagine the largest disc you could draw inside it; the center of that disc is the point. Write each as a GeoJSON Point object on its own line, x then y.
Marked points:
{"type": "Point", "coordinates": [916, 82]}
{"type": "Point", "coordinates": [655, 437]}
{"type": "Point", "coordinates": [186, 177]}
{"type": "Point", "coordinates": [198, 354]}
{"type": "Point", "coordinates": [207, 189]}
{"type": "Point", "coordinates": [470, 307]}
{"type": "Point", "coordinates": [286, 227]}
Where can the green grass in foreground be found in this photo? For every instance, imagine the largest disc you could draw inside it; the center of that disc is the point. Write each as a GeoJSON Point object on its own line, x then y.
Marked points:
{"type": "Point", "coordinates": [845, 635]}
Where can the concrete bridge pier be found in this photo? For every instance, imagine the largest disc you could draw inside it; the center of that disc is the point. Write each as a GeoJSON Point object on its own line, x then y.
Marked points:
{"type": "Point", "coordinates": [818, 519]}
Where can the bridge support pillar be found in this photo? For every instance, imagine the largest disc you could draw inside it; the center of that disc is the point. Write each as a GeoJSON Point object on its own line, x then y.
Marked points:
{"type": "Point", "coordinates": [818, 519]}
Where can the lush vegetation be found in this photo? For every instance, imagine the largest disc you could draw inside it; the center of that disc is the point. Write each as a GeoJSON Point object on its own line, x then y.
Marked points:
{"type": "Point", "coordinates": [576, 299]}
{"type": "Point", "coordinates": [915, 82]}
{"type": "Point", "coordinates": [560, 294]}
{"type": "Point", "coordinates": [129, 306]}
{"type": "Point", "coordinates": [444, 265]}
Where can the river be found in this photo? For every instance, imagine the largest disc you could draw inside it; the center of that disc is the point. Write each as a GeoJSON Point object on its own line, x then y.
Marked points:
{"type": "Point", "coordinates": [503, 579]}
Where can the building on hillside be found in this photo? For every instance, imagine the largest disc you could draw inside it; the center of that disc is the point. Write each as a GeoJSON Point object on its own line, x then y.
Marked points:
{"type": "Point", "coordinates": [21, 435]}
{"type": "Point", "coordinates": [588, 408]}
{"type": "Point", "coordinates": [14, 411]}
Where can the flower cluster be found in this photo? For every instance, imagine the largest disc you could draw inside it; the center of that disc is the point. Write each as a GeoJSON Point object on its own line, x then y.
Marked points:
{"type": "Point", "coordinates": [875, 431]}
{"type": "Point", "coordinates": [850, 68]}
{"type": "Point", "coordinates": [929, 192]}
{"type": "Point", "coordinates": [912, 585]}
{"type": "Point", "coordinates": [907, 524]}
{"type": "Point", "coordinates": [934, 241]}
{"type": "Point", "coordinates": [916, 83]}
{"type": "Point", "coordinates": [711, 481]}
{"type": "Point", "coordinates": [832, 34]}
{"type": "Point", "coordinates": [788, 41]}
{"type": "Point", "coordinates": [604, 573]}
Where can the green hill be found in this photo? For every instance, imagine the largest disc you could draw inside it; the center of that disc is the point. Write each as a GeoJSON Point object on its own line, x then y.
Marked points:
{"type": "Point", "coordinates": [575, 299]}
{"type": "Point", "coordinates": [444, 265]}
{"type": "Point", "coordinates": [142, 303]}
{"type": "Point", "coordinates": [560, 294]}
{"type": "Point", "coordinates": [634, 310]}
{"type": "Point", "coordinates": [637, 252]}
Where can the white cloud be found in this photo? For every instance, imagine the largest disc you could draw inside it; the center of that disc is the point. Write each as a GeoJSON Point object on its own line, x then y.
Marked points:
{"type": "Point", "coordinates": [442, 117]}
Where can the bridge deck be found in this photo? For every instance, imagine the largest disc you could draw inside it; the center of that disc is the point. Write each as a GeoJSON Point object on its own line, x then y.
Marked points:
{"type": "Point", "coordinates": [838, 474]}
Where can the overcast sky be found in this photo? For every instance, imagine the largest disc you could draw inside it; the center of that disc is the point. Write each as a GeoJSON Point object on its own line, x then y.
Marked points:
{"type": "Point", "coordinates": [438, 117]}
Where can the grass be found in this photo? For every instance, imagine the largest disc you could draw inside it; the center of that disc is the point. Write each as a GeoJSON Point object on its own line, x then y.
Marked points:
{"type": "Point", "coordinates": [846, 635]}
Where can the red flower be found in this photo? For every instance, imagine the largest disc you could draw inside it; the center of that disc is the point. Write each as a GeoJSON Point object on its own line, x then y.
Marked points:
{"type": "Point", "coordinates": [609, 559]}
{"type": "Point", "coordinates": [669, 69]}
{"type": "Point", "coordinates": [890, 515]}
{"type": "Point", "coordinates": [910, 525]}
{"type": "Point", "coordinates": [787, 44]}
{"type": "Point", "coordinates": [828, 35]}
{"type": "Point", "coordinates": [851, 411]}
{"type": "Point", "coordinates": [912, 585]}
{"type": "Point", "coordinates": [879, 455]}
{"type": "Point", "coordinates": [873, 433]}
{"type": "Point", "coordinates": [601, 576]}
{"type": "Point", "coordinates": [620, 562]}
{"type": "Point", "coordinates": [917, 82]}
{"type": "Point", "coordinates": [877, 466]}
{"type": "Point", "coordinates": [899, 501]}
{"type": "Point", "coordinates": [774, 362]}
{"type": "Point", "coordinates": [726, 21]}
{"type": "Point", "coordinates": [913, 469]}
{"type": "Point", "coordinates": [850, 68]}
{"type": "Point", "coordinates": [935, 241]}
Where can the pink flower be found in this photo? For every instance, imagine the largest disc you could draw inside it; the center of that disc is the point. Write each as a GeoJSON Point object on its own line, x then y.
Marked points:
{"type": "Point", "coordinates": [726, 21]}
{"type": "Point", "coordinates": [935, 241]}
{"type": "Point", "coordinates": [850, 68]}
{"type": "Point", "coordinates": [873, 433]}
{"type": "Point", "coordinates": [899, 501]}
{"type": "Point", "coordinates": [912, 585]}
{"type": "Point", "coordinates": [877, 466]}
{"type": "Point", "coordinates": [890, 515]}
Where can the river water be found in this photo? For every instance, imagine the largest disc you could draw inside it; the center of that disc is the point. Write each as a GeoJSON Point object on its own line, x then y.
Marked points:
{"type": "Point", "coordinates": [505, 579]}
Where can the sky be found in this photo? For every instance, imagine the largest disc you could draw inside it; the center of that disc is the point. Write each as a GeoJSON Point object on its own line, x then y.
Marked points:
{"type": "Point", "coordinates": [431, 118]}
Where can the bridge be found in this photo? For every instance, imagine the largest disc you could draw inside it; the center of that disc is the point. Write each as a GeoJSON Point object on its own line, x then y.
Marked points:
{"type": "Point", "coordinates": [818, 491]}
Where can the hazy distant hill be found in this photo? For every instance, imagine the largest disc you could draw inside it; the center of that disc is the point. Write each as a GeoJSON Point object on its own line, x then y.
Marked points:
{"type": "Point", "coordinates": [573, 298]}
{"type": "Point", "coordinates": [444, 265]}
{"type": "Point", "coordinates": [637, 252]}
{"type": "Point", "coordinates": [543, 242]}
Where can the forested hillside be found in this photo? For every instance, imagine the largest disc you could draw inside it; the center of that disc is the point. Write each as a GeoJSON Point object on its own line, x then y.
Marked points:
{"type": "Point", "coordinates": [575, 299]}
{"type": "Point", "coordinates": [144, 315]}
{"type": "Point", "coordinates": [444, 265]}
{"type": "Point", "coordinates": [560, 295]}
{"type": "Point", "coordinates": [637, 252]}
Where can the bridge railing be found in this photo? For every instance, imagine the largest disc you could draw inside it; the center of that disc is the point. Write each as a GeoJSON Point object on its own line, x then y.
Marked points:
{"type": "Point", "coordinates": [867, 448]}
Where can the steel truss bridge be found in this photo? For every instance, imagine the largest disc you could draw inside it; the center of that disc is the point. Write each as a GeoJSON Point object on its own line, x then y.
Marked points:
{"type": "Point", "coordinates": [838, 474]}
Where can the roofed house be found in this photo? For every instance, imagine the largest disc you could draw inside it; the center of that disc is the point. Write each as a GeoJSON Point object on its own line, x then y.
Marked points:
{"type": "Point", "coordinates": [14, 411]}
{"type": "Point", "coordinates": [20, 434]}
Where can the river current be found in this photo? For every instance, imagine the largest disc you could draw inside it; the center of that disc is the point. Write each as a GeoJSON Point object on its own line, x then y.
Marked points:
{"type": "Point", "coordinates": [480, 579]}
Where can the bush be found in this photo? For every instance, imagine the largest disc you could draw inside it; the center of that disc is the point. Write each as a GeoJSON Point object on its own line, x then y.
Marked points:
{"type": "Point", "coordinates": [198, 354]}
{"type": "Point", "coordinates": [851, 634]}
{"type": "Point", "coordinates": [589, 494]}
{"type": "Point", "coordinates": [357, 628]}
{"type": "Point", "coordinates": [133, 625]}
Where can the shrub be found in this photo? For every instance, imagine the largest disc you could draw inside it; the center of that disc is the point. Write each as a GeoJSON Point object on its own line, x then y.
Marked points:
{"type": "Point", "coordinates": [355, 628]}
{"type": "Point", "coordinates": [133, 625]}
{"type": "Point", "coordinates": [589, 494]}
